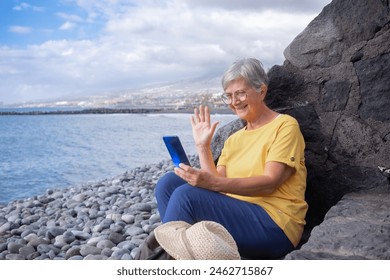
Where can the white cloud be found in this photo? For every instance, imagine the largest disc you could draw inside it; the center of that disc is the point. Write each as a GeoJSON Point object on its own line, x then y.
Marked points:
{"type": "Point", "coordinates": [70, 17]}
{"type": "Point", "coordinates": [151, 42]}
{"type": "Point", "coordinates": [20, 29]}
{"type": "Point", "coordinates": [302, 6]}
{"type": "Point", "coordinates": [21, 6]}
{"type": "Point", "coordinates": [180, 32]}
{"type": "Point", "coordinates": [25, 6]}
{"type": "Point", "coordinates": [67, 26]}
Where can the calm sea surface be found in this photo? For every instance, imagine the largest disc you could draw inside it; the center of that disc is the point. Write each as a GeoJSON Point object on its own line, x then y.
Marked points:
{"type": "Point", "coordinates": [40, 152]}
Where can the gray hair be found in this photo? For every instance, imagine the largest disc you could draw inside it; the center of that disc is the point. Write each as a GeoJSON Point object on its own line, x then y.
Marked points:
{"type": "Point", "coordinates": [250, 69]}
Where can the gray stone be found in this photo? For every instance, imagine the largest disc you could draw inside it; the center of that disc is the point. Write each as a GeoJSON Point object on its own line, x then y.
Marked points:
{"type": "Point", "coordinates": [105, 243]}
{"type": "Point", "coordinates": [86, 250]}
{"type": "Point", "coordinates": [5, 227]}
{"type": "Point", "coordinates": [154, 219]}
{"type": "Point", "coordinates": [46, 248]}
{"type": "Point", "coordinates": [14, 247]}
{"type": "Point", "coordinates": [116, 228]}
{"type": "Point", "coordinates": [340, 25]}
{"type": "Point", "coordinates": [14, 257]}
{"type": "Point", "coordinates": [106, 252]}
{"type": "Point", "coordinates": [77, 257]}
{"type": "Point", "coordinates": [3, 246]}
{"type": "Point", "coordinates": [374, 77]}
{"type": "Point", "coordinates": [26, 250]}
{"type": "Point", "coordinates": [30, 219]}
{"type": "Point", "coordinates": [358, 227]}
{"type": "Point", "coordinates": [141, 207]}
{"type": "Point", "coordinates": [118, 253]}
{"type": "Point", "coordinates": [68, 237]}
{"type": "Point", "coordinates": [335, 95]}
{"type": "Point", "coordinates": [128, 218]}
{"type": "Point", "coordinates": [38, 241]}
{"type": "Point", "coordinates": [95, 257]}
{"type": "Point", "coordinates": [59, 241]}
{"type": "Point", "coordinates": [116, 237]}
{"type": "Point", "coordinates": [81, 234]}
{"type": "Point", "coordinates": [33, 256]}
{"type": "Point", "coordinates": [55, 231]}
{"type": "Point", "coordinates": [134, 230]}
{"type": "Point", "coordinates": [73, 251]}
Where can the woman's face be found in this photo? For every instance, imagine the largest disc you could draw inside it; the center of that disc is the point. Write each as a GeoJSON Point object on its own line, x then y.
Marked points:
{"type": "Point", "coordinates": [251, 107]}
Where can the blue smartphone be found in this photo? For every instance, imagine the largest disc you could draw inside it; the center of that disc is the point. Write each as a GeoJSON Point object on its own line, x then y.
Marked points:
{"type": "Point", "coordinates": [176, 150]}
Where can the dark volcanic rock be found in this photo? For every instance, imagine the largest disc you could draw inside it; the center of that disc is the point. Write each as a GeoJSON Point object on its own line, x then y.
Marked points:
{"type": "Point", "coordinates": [344, 57]}
{"type": "Point", "coordinates": [358, 227]}
{"type": "Point", "coordinates": [374, 79]}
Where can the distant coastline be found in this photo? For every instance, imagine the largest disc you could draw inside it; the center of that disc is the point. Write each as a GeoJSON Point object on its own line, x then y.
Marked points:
{"type": "Point", "coordinates": [104, 110]}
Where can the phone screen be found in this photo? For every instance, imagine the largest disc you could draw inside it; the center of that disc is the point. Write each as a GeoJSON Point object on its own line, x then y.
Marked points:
{"type": "Point", "coordinates": [176, 150]}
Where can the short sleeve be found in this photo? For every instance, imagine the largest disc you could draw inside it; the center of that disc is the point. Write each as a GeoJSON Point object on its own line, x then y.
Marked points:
{"type": "Point", "coordinates": [288, 146]}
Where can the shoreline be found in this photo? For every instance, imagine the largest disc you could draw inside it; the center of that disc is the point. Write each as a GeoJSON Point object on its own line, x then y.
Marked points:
{"type": "Point", "coordinates": [104, 110]}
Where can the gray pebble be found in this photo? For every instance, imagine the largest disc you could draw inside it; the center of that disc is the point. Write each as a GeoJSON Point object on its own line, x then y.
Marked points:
{"type": "Point", "coordinates": [105, 244]}
{"type": "Point", "coordinates": [134, 230]}
{"type": "Point", "coordinates": [5, 227]}
{"type": "Point", "coordinates": [89, 250]}
{"type": "Point", "coordinates": [73, 251]}
{"type": "Point", "coordinates": [81, 234]}
{"type": "Point", "coordinates": [95, 257]}
{"type": "Point", "coordinates": [101, 220]}
{"type": "Point", "coordinates": [128, 218]}
{"type": "Point", "coordinates": [14, 257]}
{"type": "Point", "coordinates": [14, 247]}
{"type": "Point", "coordinates": [68, 237]}
{"type": "Point", "coordinates": [26, 250]}
{"type": "Point", "coordinates": [141, 207]}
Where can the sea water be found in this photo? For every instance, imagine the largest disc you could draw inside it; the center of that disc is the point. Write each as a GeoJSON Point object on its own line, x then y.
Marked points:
{"type": "Point", "coordinates": [40, 152]}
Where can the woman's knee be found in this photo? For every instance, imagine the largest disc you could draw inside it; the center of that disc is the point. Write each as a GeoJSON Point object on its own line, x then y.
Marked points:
{"type": "Point", "coordinates": [191, 198]}
{"type": "Point", "coordinates": [168, 181]}
{"type": "Point", "coordinates": [187, 192]}
{"type": "Point", "coordinates": [167, 178]}
{"type": "Point", "coordinates": [184, 205]}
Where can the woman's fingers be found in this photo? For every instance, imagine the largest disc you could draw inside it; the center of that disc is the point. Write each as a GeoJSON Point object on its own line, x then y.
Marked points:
{"type": "Point", "coordinates": [207, 114]}
{"type": "Point", "coordinates": [186, 173]}
{"type": "Point", "coordinates": [195, 117]}
{"type": "Point", "coordinates": [201, 113]}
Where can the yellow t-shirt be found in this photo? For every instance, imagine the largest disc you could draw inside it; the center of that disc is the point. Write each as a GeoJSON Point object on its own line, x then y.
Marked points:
{"type": "Point", "coordinates": [245, 154]}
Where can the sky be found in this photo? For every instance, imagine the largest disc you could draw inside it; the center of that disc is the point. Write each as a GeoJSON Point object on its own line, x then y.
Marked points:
{"type": "Point", "coordinates": [55, 49]}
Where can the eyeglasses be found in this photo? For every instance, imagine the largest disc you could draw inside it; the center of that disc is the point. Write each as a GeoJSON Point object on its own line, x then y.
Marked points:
{"type": "Point", "coordinates": [227, 98]}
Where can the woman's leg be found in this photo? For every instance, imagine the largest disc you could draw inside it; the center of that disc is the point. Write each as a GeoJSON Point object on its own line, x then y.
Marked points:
{"type": "Point", "coordinates": [164, 189]}
{"type": "Point", "coordinates": [255, 233]}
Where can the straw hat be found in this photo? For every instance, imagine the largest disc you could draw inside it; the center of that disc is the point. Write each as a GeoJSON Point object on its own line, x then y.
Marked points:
{"type": "Point", "coordinates": [204, 240]}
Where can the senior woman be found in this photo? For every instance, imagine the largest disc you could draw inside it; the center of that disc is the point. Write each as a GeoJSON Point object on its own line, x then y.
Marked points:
{"type": "Point", "coordinates": [257, 189]}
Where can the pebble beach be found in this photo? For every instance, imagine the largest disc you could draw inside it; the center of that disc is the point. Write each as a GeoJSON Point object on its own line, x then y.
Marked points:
{"type": "Point", "coordinates": [101, 220]}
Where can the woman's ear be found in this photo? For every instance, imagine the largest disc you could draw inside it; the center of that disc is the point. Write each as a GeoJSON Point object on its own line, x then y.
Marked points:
{"type": "Point", "coordinates": [263, 89]}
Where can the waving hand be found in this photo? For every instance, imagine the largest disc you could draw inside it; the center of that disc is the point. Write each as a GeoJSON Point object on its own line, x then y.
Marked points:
{"type": "Point", "coordinates": [202, 129]}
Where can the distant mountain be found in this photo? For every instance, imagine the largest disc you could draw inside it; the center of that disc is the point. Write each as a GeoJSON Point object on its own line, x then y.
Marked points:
{"type": "Point", "coordinates": [184, 93]}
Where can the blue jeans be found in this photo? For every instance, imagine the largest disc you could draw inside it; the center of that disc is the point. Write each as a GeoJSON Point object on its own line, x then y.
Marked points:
{"type": "Point", "coordinates": [256, 234]}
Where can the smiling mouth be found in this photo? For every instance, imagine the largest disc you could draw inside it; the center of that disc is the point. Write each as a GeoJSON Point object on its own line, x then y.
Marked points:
{"type": "Point", "coordinates": [240, 108]}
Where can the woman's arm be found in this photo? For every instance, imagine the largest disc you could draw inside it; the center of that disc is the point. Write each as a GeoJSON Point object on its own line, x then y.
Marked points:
{"type": "Point", "coordinates": [275, 174]}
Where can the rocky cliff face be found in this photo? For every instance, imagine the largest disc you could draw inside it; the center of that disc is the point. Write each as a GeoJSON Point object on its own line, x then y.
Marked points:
{"type": "Point", "coordinates": [339, 68]}
{"type": "Point", "coordinates": [336, 82]}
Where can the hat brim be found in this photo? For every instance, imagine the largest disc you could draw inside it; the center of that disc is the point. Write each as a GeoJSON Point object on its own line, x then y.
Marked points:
{"type": "Point", "coordinates": [170, 237]}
